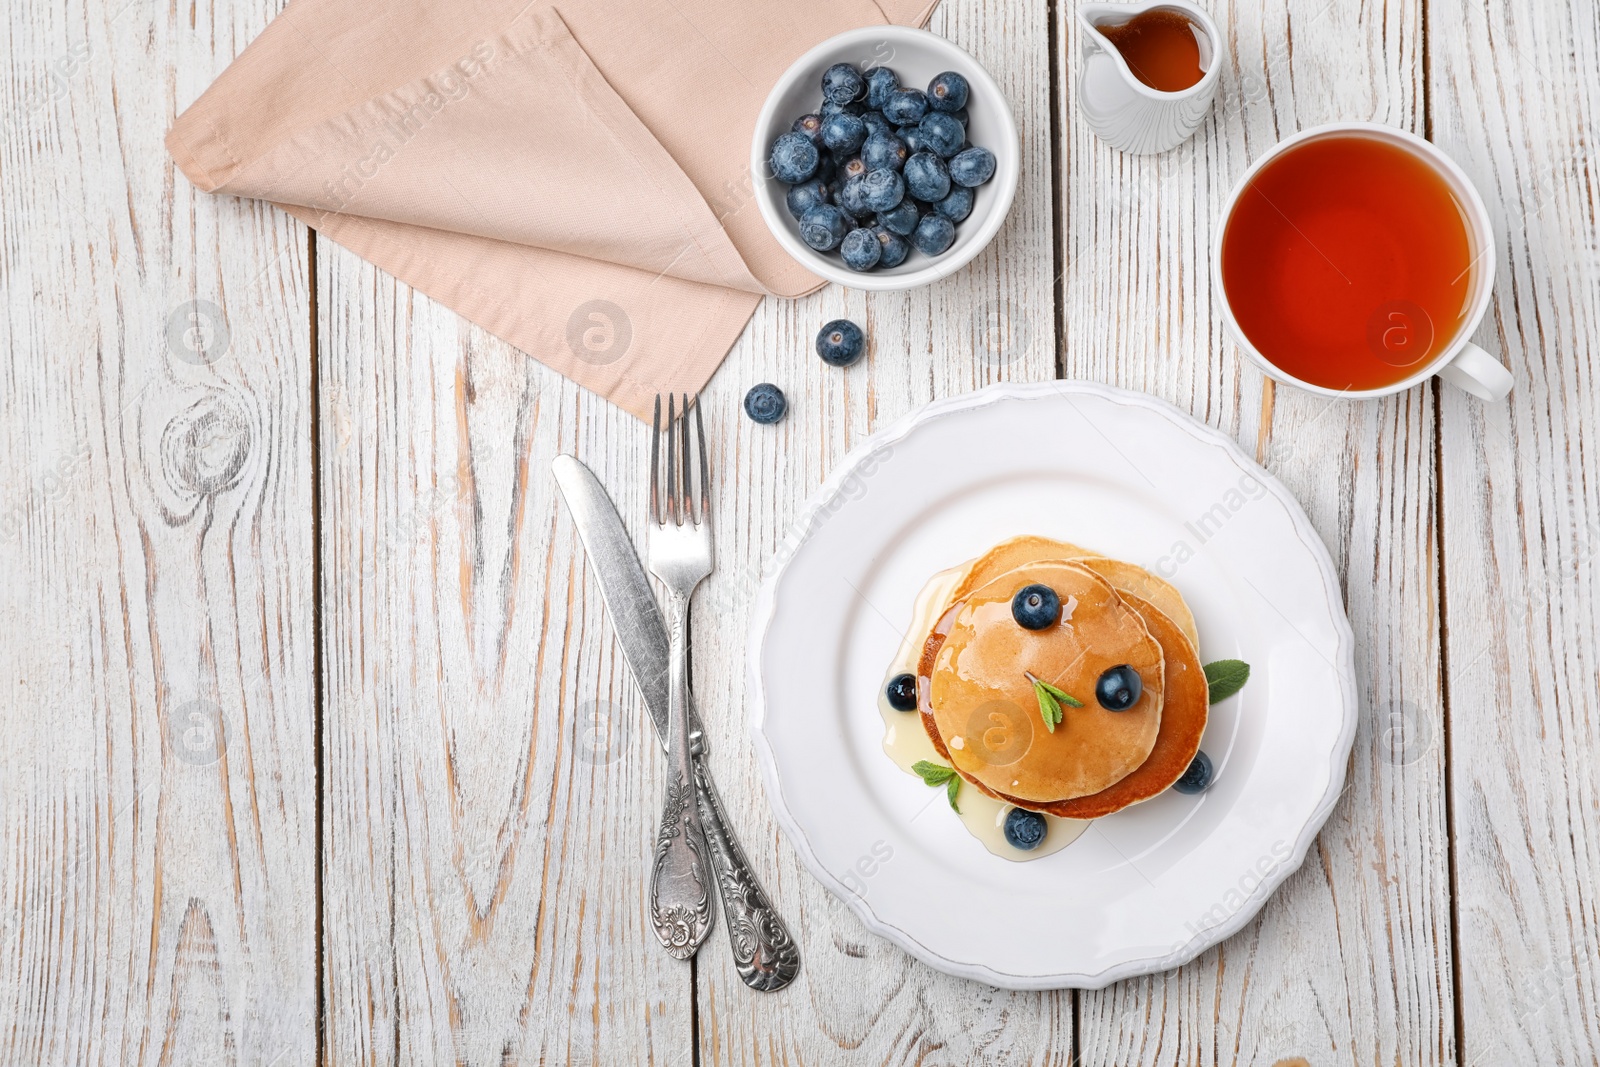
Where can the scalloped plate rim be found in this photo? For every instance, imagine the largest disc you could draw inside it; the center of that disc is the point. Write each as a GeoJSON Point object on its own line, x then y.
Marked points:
{"type": "Point", "coordinates": [766, 606]}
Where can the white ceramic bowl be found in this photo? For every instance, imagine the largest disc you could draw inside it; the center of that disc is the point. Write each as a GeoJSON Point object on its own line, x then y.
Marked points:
{"type": "Point", "coordinates": [916, 56]}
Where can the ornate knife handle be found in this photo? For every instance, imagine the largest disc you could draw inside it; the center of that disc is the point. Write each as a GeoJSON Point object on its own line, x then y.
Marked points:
{"type": "Point", "coordinates": [763, 952]}
{"type": "Point", "coordinates": [680, 877]}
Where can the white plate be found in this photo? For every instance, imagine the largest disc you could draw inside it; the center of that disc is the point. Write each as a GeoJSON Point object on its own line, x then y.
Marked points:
{"type": "Point", "coordinates": [1147, 888]}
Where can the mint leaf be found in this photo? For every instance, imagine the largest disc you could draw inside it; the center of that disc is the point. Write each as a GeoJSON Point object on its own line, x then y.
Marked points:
{"type": "Point", "coordinates": [1226, 677]}
{"type": "Point", "coordinates": [1049, 710]}
{"type": "Point", "coordinates": [935, 774]}
{"type": "Point", "coordinates": [1060, 694]}
{"type": "Point", "coordinates": [1050, 700]}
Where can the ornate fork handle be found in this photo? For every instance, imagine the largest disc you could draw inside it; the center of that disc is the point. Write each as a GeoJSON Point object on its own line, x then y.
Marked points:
{"type": "Point", "coordinates": [680, 877]}
{"type": "Point", "coordinates": [763, 952]}
{"type": "Point", "coordinates": [695, 842]}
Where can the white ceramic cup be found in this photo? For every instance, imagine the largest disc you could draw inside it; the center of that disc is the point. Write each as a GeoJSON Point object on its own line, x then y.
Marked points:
{"type": "Point", "coordinates": [1459, 362]}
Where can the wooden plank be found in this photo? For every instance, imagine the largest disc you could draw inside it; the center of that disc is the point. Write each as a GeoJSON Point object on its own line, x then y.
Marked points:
{"type": "Point", "coordinates": [492, 786]}
{"type": "Point", "coordinates": [1350, 961]}
{"type": "Point", "coordinates": [157, 780]}
{"type": "Point", "coordinates": [859, 999]}
{"type": "Point", "coordinates": [1514, 100]}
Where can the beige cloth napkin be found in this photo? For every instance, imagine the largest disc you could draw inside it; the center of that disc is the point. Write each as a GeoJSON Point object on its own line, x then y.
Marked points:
{"type": "Point", "coordinates": [573, 178]}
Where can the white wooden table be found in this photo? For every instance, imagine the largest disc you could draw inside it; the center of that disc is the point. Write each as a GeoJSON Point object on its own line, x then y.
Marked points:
{"type": "Point", "coordinates": [315, 744]}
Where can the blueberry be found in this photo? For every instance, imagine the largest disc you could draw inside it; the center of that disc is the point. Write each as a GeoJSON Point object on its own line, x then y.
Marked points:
{"type": "Point", "coordinates": [902, 692]}
{"type": "Point", "coordinates": [902, 220]}
{"type": "Point", "coordinates": [1197, 779]}
{"type": "Point", "coordinates": [961, 117]}
{"type": "Point", "coordinates": [893, 248]}
{"type": "Point", "coordinates": [811, 126]}
{"type": "Point", "coordinates": [822, 227]}
{"type": "Point", "coordinates": [794, 158]}
{"type": "Point", "coordinates": [876, 123]}
{"type": "Point", "coordinates": [912, 136]}
{"type": "Point", "coordinates": [1025, 829]}
{"type": "Point", "coordinates": [841, 342]}
{"type": "Point", "coordinates": [972, 166]}
{"type": "Point", "coordinates": [881, 81]}
{"type": "Point", "coordinates": [927, 178]}
{"type": "Point", "coordinates": [853, 196]}
{"type": "Point", "coordinates": [941, 133]}
{"type": "Point", "coordinates": [948, 92]}
{"type": "Point", "coordinates": [883, 190]}
{"type": "Point", "coordinates": [860, 249]}
{"type": "Point", "coordinates": [1119, 688]}
{"type": "Point", "coordinates": [844, 133]}
{"type": "Point", "coordinates": [842, 84]}
{"type": "Point", "coordinates": [956, 206]}
{"type": "Point", "coordinates": [934, 235]}
{"type": "Point", "coordinates": [805, 196]}
{"type": "Point", "coordinates": [849, 166]}
{"type": "Point", "coordinates": [830, 108]}
{"type": "Point", "coordinates": [826, 169]}
{"type": "Point", "coordinates": [905, 107]}
{"type": "Point", "coordinates": [884, 151]}
{"type": "Point", "coordinates": [1035, 607]}
{"type": "Point", "coordinates": [764, 403]}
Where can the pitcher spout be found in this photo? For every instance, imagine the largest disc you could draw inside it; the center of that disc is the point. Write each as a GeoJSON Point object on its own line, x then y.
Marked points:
{"type": "Point", "coordinates": [1090, 16]}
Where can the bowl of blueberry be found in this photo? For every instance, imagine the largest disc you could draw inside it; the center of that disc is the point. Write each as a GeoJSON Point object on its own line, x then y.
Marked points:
{"type": "Point", "coordinates": [885, 158]}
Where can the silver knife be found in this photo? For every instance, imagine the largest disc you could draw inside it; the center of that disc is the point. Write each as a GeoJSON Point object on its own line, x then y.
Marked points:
{"type": "Point", "coordinates": [763, 952]}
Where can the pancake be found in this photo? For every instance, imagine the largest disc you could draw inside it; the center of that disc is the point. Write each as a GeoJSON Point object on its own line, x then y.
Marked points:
{"type": "Point", "coordinates": [1031, 548]}
{"type": "Point", "coordinates": [979, 708]}
{"type": "Point", "coordinates": [1008, 556]}
{"type": "Point", "coordinates": [1132, 578]}
{"type": "Point", "coordinates": [1185, 705]}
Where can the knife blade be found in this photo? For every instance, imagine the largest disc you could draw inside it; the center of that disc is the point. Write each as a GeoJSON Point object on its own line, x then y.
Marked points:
{"type": "Point", "coordinates": [764, 953]}
{"type": "Point", "coordinates": [635, 614]}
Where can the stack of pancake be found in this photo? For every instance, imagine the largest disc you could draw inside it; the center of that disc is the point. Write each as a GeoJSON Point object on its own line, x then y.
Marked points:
{"type": "Point", "coordinates": [980, 707]}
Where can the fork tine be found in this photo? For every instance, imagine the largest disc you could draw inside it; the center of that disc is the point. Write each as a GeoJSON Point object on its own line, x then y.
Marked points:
{"type": "Point", "coordinates": [705, 463]}
{"type": "Point", "coordinates": [672, 466]}
{"type": "Point", "coordinates": [688, 466]}
{"type": "Point", "coordinates": [655, 466]}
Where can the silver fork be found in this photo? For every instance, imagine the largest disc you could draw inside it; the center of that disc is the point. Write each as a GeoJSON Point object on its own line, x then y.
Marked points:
{"type": "Point", "coordinates": [680, 555]}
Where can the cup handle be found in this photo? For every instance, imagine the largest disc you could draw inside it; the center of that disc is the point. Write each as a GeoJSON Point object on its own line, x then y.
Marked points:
{"type": "Point", "coordinates": [1477, 372]}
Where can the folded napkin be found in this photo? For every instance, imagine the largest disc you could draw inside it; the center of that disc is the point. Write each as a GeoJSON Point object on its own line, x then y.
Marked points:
{"type": "Point", "coordinates": [572, 178]}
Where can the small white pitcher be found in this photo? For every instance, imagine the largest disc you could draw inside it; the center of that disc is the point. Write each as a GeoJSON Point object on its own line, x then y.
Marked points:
{"type": "Point", "coordinates": [1124, 111]}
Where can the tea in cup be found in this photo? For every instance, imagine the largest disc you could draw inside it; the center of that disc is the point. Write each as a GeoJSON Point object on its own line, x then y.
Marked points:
{"type": "Point", "coordinates": [1356, 260]}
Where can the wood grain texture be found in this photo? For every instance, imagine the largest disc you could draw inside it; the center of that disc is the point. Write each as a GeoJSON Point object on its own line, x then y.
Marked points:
{"type": "Point", "coordinates": [1516, 102]}
{"type": "Point", "coordinates": [492, 786]}
{"type": "Point", "coordinates": [157, 793]}
{"type": "Point", "coordinates": [1350, 961]}
{"type": "Point", "coordinates": [858, 999]}
{"type": "Point", "coordinates": [489, 783]}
